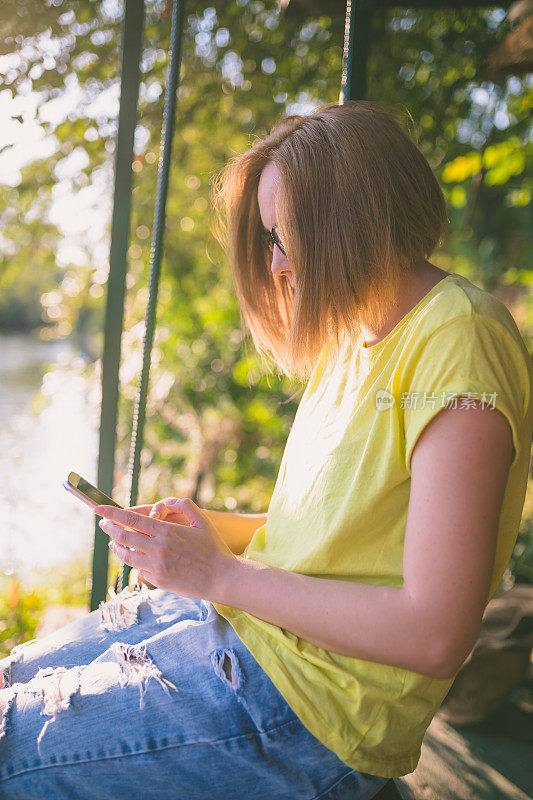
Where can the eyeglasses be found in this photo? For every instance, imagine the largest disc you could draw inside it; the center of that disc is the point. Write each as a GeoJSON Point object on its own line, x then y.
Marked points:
{"type": "Point", "coordinates": [272, 238]}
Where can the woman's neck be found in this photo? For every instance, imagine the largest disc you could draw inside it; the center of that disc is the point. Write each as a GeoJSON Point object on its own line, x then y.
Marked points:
{"type": "Point", "coordinates": [412, 292]}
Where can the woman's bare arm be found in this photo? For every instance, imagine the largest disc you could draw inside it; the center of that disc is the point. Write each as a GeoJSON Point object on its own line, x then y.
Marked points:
{"type": "Point", "coordinates": [236, 529]}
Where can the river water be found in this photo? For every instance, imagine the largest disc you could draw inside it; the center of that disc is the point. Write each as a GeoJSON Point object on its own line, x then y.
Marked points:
{"type": "Point", "coordinates": [49, 421]}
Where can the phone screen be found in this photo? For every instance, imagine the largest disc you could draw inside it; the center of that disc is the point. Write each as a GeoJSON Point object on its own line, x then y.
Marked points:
{"type": "Point", "coordinates": [86, 491]}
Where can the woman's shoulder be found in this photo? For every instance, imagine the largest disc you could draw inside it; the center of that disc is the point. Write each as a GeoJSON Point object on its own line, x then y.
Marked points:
{"type": "Point", "coordinates": [465, 331]}
{"type": "Point", "coordinates": [460, 304]}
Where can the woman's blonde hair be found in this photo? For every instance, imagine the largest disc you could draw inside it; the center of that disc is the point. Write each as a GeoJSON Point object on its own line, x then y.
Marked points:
{"type": "Point", "coordinates": [357, 207]}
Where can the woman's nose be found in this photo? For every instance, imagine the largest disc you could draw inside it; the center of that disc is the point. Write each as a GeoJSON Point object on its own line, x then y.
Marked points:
{"type": "Point", "coordinates": [279, 263]}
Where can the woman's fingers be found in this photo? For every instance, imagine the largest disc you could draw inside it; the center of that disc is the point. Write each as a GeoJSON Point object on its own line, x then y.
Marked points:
{"type": "Point", "coordinates": [138, 541]}
{"type": "Point", "coordinates": [150, 510]}
{"type": "Point", "coordinates": [159, 510]}
{"type": "Point", "coordinates": [167, 510]}
{"type": "Point", "coordinates": [131, 519]}
{"type": "Point", "coordinates": [135, 560]}
{"type": "Point", "coordinates": [189, 509]}
{"type": "Point", "coordinates": [141, 509]}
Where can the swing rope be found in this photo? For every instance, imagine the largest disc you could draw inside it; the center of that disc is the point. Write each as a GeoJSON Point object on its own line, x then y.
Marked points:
{"type": "Point", "coordinates": [156, 253]}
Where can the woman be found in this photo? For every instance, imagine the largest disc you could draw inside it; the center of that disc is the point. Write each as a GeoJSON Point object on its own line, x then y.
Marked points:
{"type": "Point", "coordinates": [303, 653]}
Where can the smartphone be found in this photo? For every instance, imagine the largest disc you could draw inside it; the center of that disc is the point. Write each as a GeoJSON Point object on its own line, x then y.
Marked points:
{"type": "Point", "coordinates": [88, 493]}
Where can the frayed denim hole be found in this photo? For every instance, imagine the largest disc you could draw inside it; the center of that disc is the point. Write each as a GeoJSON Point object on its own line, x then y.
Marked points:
{"type": "Point", "coordinates": [5, 676]}
{"type": "Point", "coordinates": [204, 611]}
{"type": "Point", "coordinates": [56, 686]}
{"type": "Point", "coordinates": [227, 668]}
{"type": "Point", "coordinates": [5, 714]}
{"type": "Point", "coordinates": [123, 610]}
{"type": "Point", "coordinates": [137, 668]}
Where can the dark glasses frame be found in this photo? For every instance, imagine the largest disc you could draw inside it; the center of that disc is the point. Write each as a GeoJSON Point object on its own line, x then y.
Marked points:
{"type": "Point", "coordinates": [273, 239]}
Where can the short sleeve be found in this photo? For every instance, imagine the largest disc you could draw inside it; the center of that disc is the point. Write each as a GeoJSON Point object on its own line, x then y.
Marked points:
{"type": "Point", "coordinates": [466, 359]}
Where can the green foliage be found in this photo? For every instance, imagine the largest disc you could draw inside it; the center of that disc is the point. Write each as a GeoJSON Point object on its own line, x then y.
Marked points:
{"type": "Point", "coordinates": [521, 563]}
{"type": "Point", "coordinates": [18, 616]}
{"type": "Point", "coordinates": [27, 251]}
{"type": "Point", "coordinates": [22, 607]}
{"type": "Point", "coordinates": [520, 567]}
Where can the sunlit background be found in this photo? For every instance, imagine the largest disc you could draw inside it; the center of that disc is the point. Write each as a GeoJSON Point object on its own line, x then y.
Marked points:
{"type": "Point", "coordinates": [49, 427]}
{"type": "Point", "coordinates": [216, 425]}
{"type": "Point", "coordinates": [49, 410]}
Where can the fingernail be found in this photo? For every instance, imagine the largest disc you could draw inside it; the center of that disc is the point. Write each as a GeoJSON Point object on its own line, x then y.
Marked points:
{"type": "Point", "coordinates": [111, 545]}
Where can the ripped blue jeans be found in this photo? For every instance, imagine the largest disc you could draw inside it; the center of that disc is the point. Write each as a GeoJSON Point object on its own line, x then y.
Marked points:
{"type": "Point", "coordinates": [153, 697]}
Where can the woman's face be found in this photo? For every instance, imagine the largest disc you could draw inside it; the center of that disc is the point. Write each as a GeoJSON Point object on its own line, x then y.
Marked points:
{"type": "Point", "coordinates": [266, 197]}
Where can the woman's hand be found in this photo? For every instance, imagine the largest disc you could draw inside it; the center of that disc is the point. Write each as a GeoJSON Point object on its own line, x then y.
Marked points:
{"type": "Point", "coordinates": [163, 509]}
{"type": "Point", "coordinates": [189, 559]}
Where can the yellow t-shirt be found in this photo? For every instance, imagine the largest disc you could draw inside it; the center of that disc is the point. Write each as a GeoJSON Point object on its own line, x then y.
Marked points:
{"type": "Point", "coordinates": [339, 507]}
